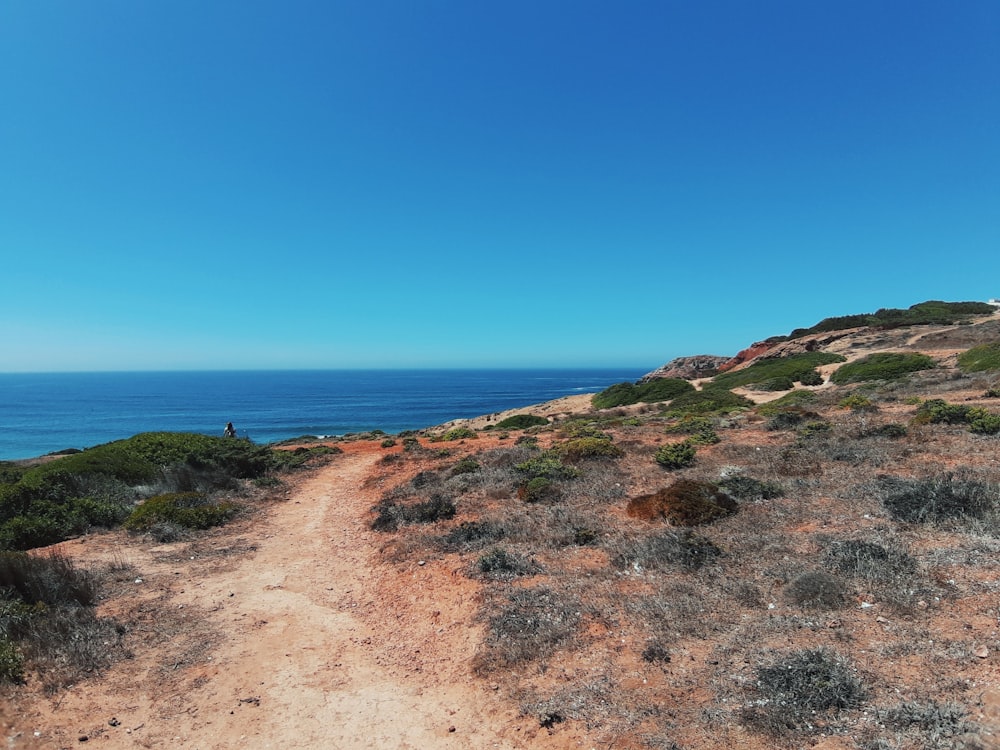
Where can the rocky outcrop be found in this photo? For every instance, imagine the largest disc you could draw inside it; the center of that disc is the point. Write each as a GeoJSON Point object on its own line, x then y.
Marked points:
{"type": "Point", "coordinates": [688, 368]}
{"type": "Point", "coordinates": [750, 353]}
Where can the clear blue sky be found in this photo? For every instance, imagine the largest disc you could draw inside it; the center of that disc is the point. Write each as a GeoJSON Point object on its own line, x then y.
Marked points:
{"type": "Point", "coordinates": [409, 183]}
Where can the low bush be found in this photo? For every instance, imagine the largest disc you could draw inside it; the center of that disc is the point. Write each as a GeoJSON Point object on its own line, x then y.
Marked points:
{"type": "Point", "coordinates": [391, 515]}
{"type": "Point", "coordinates": [941, 721]}
{"type": "Point", "coordinates": [470, 535]}
{"type": "Point", "coordinates": [817, 589]}
{"type": "Point", "coordinates": [11, 664]}
{"type": "Point", "coordinates": [686, 502]}
{"type": "Point", "coordinates": [788, 419]}
{"type": "Point", "coordinates": [709, 400]}
{"type": "Point", "coordinates": [786, 369]}
{"type": "Point", "coordinates": [780, 383]}
{"type": "Point", "coordinates": [811, 377]}
{"type": "Point", "coordinates": [882, 366]}
{"type": "Point", "coordinates": [548, 466]}
{"type": "Point", "coordinates": [667, 551]}
{"type": "Point", "coordinates": [983, 422]}
{"type": "Point", "coordinates": [50, 579]}
{"type": "Point", "coordinates": [805, 682]}
{"type": "Point", "coordinates": [857, 402]}
{"type": "Point", "coordinates": [938, 411]}
{"type": "Point", "coordinates": [538, 490]}
{"type": "Point", "coordinates": [795, 399]}
{"type": "Point", "coordinates": [191, 510]}
{"type": "Point", "coordinates": [587, 447]}
{"type": "Point", "coordinates": [923, 313]}
{"type": "Point", "coordinates": [675, 456]}
{"type": "Point", "coordinates": [982, 358]}
{"type": "Point", "coordinates": [388, 442]}
{"type": "Point", "coordinates": [891, 430]}
{"type": "Point", "coordinates": [499, 564]}
{"type": "Point", "coordinates": [869, 561]}
{"type": "Point", "coordinates": [746, 488]}
{"type": "Point", "coordinates": [625, 394]}
{"type": "Point", "coordinates": [467, 465]}
{"type": "Point", "coordinates": [814, 428]}
{"type": "Point", "coordinates": [521, 422]}
{"type": "Point", "coordinates": [529, 625]}
{"type": "Point", "coordinates": [937, 498]}
{"type": "Point", "coordinates": [458, 433]}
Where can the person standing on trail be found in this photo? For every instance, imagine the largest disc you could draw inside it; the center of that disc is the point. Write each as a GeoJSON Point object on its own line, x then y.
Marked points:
{"type": "Point", "coordinates": [230, 431]}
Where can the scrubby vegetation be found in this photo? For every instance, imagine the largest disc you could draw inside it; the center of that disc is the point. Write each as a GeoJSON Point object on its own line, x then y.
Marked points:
{"type": "Point", "coordinates": [48, 626]}
{"type": "Point", "coordinates": [982, 358]}
{"type": "Point", "coordinates": [882, 366]}
{"type": "Point", "coordinates": [521, 422]}
{"type": "Point", "coordinates": [101, 486]}
{"type": "Point", "coordinates": [776, 374]}
{"type": "Point", "coordinates": [923, 313]}
{"type": "Point", "coordinates": [818, 569]}
{"type": "Point", "coordinates": [625, 394]}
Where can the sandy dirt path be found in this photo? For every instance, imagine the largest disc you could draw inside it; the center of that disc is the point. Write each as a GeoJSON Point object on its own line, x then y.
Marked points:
{"type": "Point", "coordinates": [308, 640]}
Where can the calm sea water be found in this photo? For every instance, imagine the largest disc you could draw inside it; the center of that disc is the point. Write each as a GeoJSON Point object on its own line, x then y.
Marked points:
{"type": "Point", "coordinates": [41, 413]}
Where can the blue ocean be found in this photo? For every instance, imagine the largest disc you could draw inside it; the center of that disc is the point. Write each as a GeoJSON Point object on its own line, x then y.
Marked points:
{"type": "Point", "coordinates": [43, 413]}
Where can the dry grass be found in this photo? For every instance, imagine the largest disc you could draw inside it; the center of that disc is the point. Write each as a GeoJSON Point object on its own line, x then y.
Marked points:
{"type": "Point", "coordinates": [601, 608]}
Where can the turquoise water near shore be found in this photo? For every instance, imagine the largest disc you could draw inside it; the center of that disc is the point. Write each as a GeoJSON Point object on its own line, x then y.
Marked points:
{"type": "Point", "coordinates": [41, 413]}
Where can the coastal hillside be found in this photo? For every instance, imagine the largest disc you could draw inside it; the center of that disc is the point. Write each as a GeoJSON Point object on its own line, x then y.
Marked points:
{"type": "Point", "coordinates": [796, 545]}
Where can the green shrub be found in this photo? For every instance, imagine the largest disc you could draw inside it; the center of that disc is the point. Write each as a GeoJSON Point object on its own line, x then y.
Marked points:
{"type": "Point", "coordinates": [11, 665]}
{"type": "Point", "coordinates": [458, 433]}
{"type": "Point", "coordinates": [814, 428]}
{"type": "Point", "coordinates": [709, 400]}
{"type": "Point", "coordinates": [923, 313]}
{"type": "Point", "coordinates": [890, 430]}
{"type": "Point", "coordinates": [548, 466]}
{"type": "Point", "coordinates": [983, 422]}
{"type": "Point", "coordinates": [882, 366]}
{"type": "Point", "coordinates": [192, 510]}
{"type": "Point", "coordinates": [780, 383]}
{"type": "Point", "coordinates": [812, 377]}
{"type": "Point", "coordinates": [992, 392]}
{"type": "Point", "coordinates": [786, 368]}
{"type": "Point", "coordinates": [701, 429]}
{"type": "Point", "coordinates": [620, 394]}
{"type": "Point", "coordinates": [676, 455]}
{"type": "Point", "coordinates": [857, 402]}
{"type": "Point", "coordinates": [982, 358]}
{"type": "Point", "coordinates": [411, 443]}
{"type": "Point", "coordinates": [938, 411]}
{"type": "Point", "coordinates": [663, 389]}
{"type": "Point", "coordinates": [538, 490]}
{"type": "Point", "coordinates": [625, 394]}
{"type": "Point", "coordinates": [521, 422]}
{"type": "Point", "coordinates": [794, 399]}
{"type": "Point", "coordinates": [587, 447]}
{"type": "Point", "coordinates": [388, 442]}
{"type": "Point", "coordinates": [467, 465]}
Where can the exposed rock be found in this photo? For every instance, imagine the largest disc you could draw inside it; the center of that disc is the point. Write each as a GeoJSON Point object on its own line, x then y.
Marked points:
{"type": "Point", "coordinates": [688, 368]}
{"type": "Point", "coordinates": [750, 353]}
